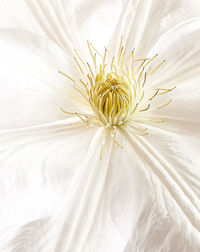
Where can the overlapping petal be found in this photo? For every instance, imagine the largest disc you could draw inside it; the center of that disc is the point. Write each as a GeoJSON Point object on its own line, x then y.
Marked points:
{"type": "Point", "coordinates": [143, 22]}
{"type": "Point", "coordinates": [181, 50]}
{"type": "Point", "coordinates": [68, 23]}
{"type": "Point", "coordinates": [78, 214]}
{"type": "Point", "coordinates": [102, 199]}
{"type": "Point", "coordinates": [32, 89]}
{"type": "Point", "coordinates": [37, 166]}
{"type": "Point", "coordinates": [170, 216]}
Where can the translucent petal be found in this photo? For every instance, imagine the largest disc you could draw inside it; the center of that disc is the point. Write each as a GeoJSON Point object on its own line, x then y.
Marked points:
{"type": "Point", "coordinates": [37, 166]}
{"type": "Point", "coordinates": [143, 22]}
{"type": "Point", "coordinates": [32, 89]}
{"type": "Point", "coordinates": [82, 222]}
{"type": "Point", "coordinates": [180, 48]}
{"type": "Point", "coordinates": [68, 23]}
{"type": "Point", "coordinates": [170, 215]}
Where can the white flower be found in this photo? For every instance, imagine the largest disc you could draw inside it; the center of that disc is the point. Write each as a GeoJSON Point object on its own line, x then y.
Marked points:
{"type": "Point", "coordinates": [78, 170]}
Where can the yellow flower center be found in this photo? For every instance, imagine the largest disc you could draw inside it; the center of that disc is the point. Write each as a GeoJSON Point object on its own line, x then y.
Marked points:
{"type": "Point", "coordinates": [115, 90]}
{"type": "Point", "coordinates": [110, 99]}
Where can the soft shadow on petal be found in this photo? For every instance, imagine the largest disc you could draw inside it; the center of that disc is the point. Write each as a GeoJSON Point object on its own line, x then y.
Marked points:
{"type": "Point", "coordinates": [83, 222]}
{"type": "Point", "coordinates": [46, 18]}
{"type": "Point", "coordinates": [181, 50]}
{"type": "Point", "coordinates": [68, 23]}
{"type": "Point", "coordinates": [126, 179]}
{"type": "Point", "coordinates": [143, 22]}
{"type": "Point", "coordinates": [37, 165]}
{"type": "Point", "coordinates": [181, 150]}
{"type": "Point", "coordinates": [169, 219]}
{"type": "Point", "coordinates": [32, 89]}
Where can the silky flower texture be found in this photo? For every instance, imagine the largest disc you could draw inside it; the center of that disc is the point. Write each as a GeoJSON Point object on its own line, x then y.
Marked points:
{"type": "Point", "coordinates": [99, 141]}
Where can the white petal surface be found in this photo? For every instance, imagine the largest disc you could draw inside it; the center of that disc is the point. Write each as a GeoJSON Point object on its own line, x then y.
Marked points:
{"type": "Point", "coordinates": [170, 216]}
{"type": "Point", "coordinates": [68, 23]}
{"type": "Point", "coordinates": [103, 199]}
{"type": "Point", "coordinates": [181, 49]}
{"type": "Point", "coordinates": [37, 165]}
{"type": "Point", "coordinates": [32, 90]}
{"type": "Point", "coordinates": [143, 22]}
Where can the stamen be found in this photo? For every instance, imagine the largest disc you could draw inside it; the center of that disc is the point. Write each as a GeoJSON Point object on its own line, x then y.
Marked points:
{"type": "Point", "coordinates": [133, 130]}
{"type": "Point", "coordinates": [140, 134]}
{"type": "Point", "coordinates": [141, 97]}
{"type": "Point", "coordinates": [165, 104]}
{"type": "Point", "coordinates": [154, 95]}
{"type": "Point", "coordinates": [158, 67]}
{"type": "Point", "coordinates": [140, 66]}
{"type": "Point", "coordinates": [104, 57]}
{"type": "Point", "coordinates": [127, 71]}
{"type": "Point", "coordinates": [145, 78]}
{"type": "Point", "coordinates": [91, 82]}
{"type": "Point", "coordinates": [113, 137]}
{"type": "Point", "coordinates": [134, 109]}
{"type": "Point", "coordinates": [110, 54]}
{"type": "Point", "coordinates": [123, 59]}
{"type": "Point", "coordinates": [80, 58]}
{"type": "Point", "coordinates": [142, 110]}
{"type": "Point", "coordinates": [112, 63]}
{"type": "Point", "coordinates": [67, 76]}
{"type": "Point", "coordinates": [154, 121]}
{"type": "Point", "coordinates": [96, 50]}
{"type": "Point", "coordinates": [86, 122]}
{"type": "Point", "coordinates": [141, 59]}
{"type": "Point", "coordinates": [77, 114]}
{"type": "Point", "coordinates": [85, 85]}
{"type": "Point", "coordinates": [79, 66]}
{"type": "Point", "coordinates": [118, 144]}
{"type": "Point", "coordinates": [90, 49]}
{"type": "Point", "coordinates": [150, 60]}
{"type": "Point", "coordinates": [101, 73]}
{"type": "Point", "coordinates": [66, 112]}
{"type": "Point", "coordinates": [101, 151]}
{"type": "Point", "coordinates": [90, 69]}
{"type": "Point", "coordinates": [166, 90]}
{"type": "Point", "coordinates": [95, 63]}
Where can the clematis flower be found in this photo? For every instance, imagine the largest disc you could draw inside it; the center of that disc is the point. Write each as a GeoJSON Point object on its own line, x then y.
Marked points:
{"type": "Point", "coordinates": [99, 140]}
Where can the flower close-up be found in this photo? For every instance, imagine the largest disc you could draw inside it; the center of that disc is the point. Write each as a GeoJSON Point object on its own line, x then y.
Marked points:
{"type": "Point", "coordinates": [100, 126]}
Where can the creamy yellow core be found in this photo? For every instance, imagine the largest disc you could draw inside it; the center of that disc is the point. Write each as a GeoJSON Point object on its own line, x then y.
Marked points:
{"type": "Point", "coordinates": [111, 98]}
{"type": "Point", "coordinates": [115, 87]}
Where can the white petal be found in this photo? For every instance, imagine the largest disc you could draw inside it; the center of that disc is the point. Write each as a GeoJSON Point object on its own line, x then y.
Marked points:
{"type": "Point", "coordinates": [83, 222]}
{"type": "Point", "coordinates": [101, 207]}
{"type": "Point", "coordinates": [45, 18]}
{"type": "Point", "coordinates": [181, 50]}
{"type": "Point", "coordinates": [170, 216]}
{"type": "Point", "coordinates": [37, 165]}
{"type": "Point", "coordinates": [68, 23]}
{"type": "Point", "coordinates": [32, 89]}
{"type": "Point", "coordinates": [93, 20]}
{"type": "Point", "coordinates": [143, 22]}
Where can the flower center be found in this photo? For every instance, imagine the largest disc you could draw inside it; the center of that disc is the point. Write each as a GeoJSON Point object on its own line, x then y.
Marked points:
{"type": "Point", "coordinates": [111, 98]}
{"type": "Point", "coordinates": [115, 88]}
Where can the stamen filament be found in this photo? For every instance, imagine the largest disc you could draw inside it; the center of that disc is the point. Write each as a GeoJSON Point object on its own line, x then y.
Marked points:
{"type": "Point", "coordinates": [142, 110]}
{"type": "Point", "coordinates": [165, 104]}
{"type": "Point", "coordinates": [158, 67]}
{"type": "Point", "coordinates": [67, 76]}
